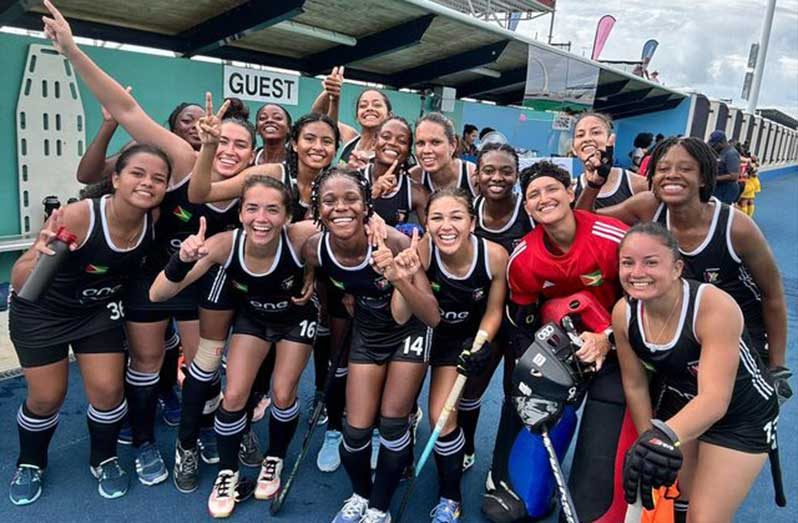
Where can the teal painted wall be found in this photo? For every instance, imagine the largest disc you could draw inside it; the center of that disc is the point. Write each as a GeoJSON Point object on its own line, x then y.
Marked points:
{"type": "Point", "coordinates": [159, 84]}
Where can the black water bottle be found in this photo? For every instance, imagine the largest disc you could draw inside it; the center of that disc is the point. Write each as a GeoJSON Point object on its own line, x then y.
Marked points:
{"type": "Point", "coordinates": [47, 266]}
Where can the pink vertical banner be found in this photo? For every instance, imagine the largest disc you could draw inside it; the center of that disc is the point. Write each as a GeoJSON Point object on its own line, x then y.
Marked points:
{"type": "Point", "coordinates": [603, 29]}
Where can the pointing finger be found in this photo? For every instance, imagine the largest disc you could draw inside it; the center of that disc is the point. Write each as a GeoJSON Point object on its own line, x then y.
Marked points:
{"type": "Point", "coordinates": [202, 227]}
{"type": "Point", "coordinates": [414, 239]}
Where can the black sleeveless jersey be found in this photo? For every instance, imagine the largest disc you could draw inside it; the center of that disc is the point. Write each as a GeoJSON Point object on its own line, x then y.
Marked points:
{"type": "Point", "coordinates": [97, 272]}
{"type": "Point", "coordinates": [298, 210]}
{"type": "Point", "coordinates": [716, 262]}
{"type": "Point", "coordinates": [267, 295]}
{"type": "Point", "coordinates": [179, 219]}
{"type": "Point", "coordinates": [508, 236]}
{"type": "Point", "coordinates": [620, 192]}
{"type": "Point", "coordinates": [462, 300]}
{"type": "Point", "coordinates": [677, 362]}
{"type": "Point", "coordinates": [372, 292]}
{"type": "Point", "coordinates": [464, 182]}
{"type": "Point", "coordinates": [394, 208]}
{"type": "Point", "coordinates": [348, 147]}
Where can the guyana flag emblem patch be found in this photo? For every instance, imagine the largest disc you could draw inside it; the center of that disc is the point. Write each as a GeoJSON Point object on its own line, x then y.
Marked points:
{"type": "Point", "coordinates": [593, 279]}
{"type": "Point", "coordinates": [96, 269]}
{"type": "Point", "coordinates": [182, 214]}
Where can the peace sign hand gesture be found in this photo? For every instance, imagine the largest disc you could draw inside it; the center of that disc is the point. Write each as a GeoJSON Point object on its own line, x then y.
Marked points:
{"type": "Point", "coordinates": [58, 31]}
{"type": "Point", "coordinates": [209, 126]}
{"type": "Point", "coordinates": [193, 248]}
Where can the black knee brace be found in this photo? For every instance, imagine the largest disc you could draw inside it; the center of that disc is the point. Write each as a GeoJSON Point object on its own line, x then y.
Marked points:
{"type": "Point", "coordinates": [355, 456]}
{"type": "Point", "coordinates": [392, 429]}
{"type": "Point", "coordinates": [355, 439]}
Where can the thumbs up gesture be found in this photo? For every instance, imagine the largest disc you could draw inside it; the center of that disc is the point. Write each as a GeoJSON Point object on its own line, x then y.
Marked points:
{"type": "Point", "coordinates": [193, 248]}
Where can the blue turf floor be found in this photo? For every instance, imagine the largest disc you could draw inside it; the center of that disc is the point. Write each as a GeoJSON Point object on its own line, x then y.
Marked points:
{"type": "Point", "coordinates": [70, 492]}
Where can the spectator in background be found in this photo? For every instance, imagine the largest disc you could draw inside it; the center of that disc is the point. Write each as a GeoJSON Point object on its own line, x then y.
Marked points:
{"type": "Point", "coordinates": [470, 135]}
{"type": "Point", "coordinates": [726, 188]}
{"type": "Point", "coordinates": [484, 131]}
{"type": "Point", "coordinates": [641, 144]}
{"type": "Point", "coordinates": [644, 163]}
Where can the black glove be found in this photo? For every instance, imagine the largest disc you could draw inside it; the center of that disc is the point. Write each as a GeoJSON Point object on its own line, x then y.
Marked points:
{"type": "Point", "coordinates": [652, 462]}
{"type": "Point", "coordinates": [473, 363]}
{"type": "Point", "coordinates": [607, 159]}
{"type": "Point", "coordinates": [781, 375]}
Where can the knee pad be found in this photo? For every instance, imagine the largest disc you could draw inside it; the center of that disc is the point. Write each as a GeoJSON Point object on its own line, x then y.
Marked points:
{"type": "Point", "coordinates": [356, 439]}
{"type": "Point", "coordinates": [393, 429]}
{"type": "Point", "coordinates": [209, 354]}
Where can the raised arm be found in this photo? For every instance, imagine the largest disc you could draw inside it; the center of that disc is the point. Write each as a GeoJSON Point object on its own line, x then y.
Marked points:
{"type": "Point", "coordinates": [119, 103]}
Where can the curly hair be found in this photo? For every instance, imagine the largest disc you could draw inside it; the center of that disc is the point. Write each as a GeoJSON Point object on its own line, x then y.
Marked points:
{"type": "Point", "coordinates": [360, 179]}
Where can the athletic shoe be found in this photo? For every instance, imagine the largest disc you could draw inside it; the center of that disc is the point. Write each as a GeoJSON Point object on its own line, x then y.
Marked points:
{"type": "Point", "coordinates": [447, 511]}
{"type": "Point", "coordinates": [375, 448]}
{"type": "Point", "coordinates": [222, 500]}
{"type": "Point", "coordinates": [207, 445]}
{"type": "Point", "coordinates": [125, 436]}
{"type": "Point", "coordinates": [170, 407]}
{"type": "Point", "coordinates": [468, 461]}
{"type": "Point", "coordinates": [317, 396]}
{"type": "Point", "coordinates": [150, 467]}
{"type": "Point", "coordinates": [269, 478]}
{"type": "Point", "coordinates": [26, 486]}
{"type": "Point", "coordinates": [373, 515]}
{"type": "Point", "coordinates": [249, 454]}
{"type": "Point", "coordinates": [113, 480]}
{"type": "Point", "coordinates": [329, 458]}
{"type": "Point", "coordinates": [353, 510]}
{"type": "Point", "coordinates": [260, 408]}
{"type": "Point", "coordinates": [185, 474]}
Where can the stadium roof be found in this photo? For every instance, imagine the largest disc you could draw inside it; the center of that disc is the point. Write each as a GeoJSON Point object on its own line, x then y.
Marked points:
{"type": "Point", "coordinates": [400, 43]}
{"type": "Point", "coordinates": [778, 117]}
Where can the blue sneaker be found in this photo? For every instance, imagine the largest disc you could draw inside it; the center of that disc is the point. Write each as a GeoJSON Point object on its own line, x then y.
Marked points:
{"type": "Point", "coordinates": [26, 486]}
{"type": "Point", "coordinates": [207, 445]}
{"type": "Point", "coordinates": [170, 407]}
{"type": "Point", "coordinates": [125, 436]}
{"type": "Point", "coordinates": [113, 480]}
{"type": "Point", "coordinates": [447, 511]}
{"type": "Point", "coordinates": [353, 510]}
{"type": "Point", "coordinates": [329, 458]}
{"type": "Point", "coordinates": [150, 467]}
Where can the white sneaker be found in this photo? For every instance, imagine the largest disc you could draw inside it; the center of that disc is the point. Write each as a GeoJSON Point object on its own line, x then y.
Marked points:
{"type": "Point", "coordinates": [373, 515]}
{"type": "Point", "coordinates": [222, 500]}
{"type": "Point", "coordinates": [352, 511]}
{"type": "Point", "coordinates": [269, 478]}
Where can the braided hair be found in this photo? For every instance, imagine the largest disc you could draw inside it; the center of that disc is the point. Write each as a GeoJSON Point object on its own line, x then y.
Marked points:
{"type": "Point", "coordinates": [497, 147]}
{"type": "Point", "coordinates": [292, 158]}
{"type": "Point", "coordinates": [358, 177]}
{"type": "Point", "coordinates": [701, 153]}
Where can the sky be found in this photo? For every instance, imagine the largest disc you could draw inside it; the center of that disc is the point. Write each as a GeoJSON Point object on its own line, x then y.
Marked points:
{"type": "Point", "coordinates": [703, 44]}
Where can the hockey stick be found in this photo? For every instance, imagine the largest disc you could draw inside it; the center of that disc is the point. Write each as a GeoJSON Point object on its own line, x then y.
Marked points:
{"type": "Point", "coordinates": [775, 472]}
{"type": "Point", "coordinates": [279, 499]}
{"type": "Point", "coordinates": [568, 510]}
{"type": "Point", "coordinates": [448, 408]}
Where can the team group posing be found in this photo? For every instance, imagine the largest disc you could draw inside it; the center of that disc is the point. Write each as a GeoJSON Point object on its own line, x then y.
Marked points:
{"type": "Point", "coordinates": [281, 253]}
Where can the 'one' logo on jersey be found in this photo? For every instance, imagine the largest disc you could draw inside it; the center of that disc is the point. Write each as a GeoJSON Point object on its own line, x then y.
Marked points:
{"type": "Point", "coordinates": [712, 275]}
{"type": "Point", "coordinates": [593, 279]}
{"type": "Point", "coordinates": [96, 269]}
{"type": "Point", "coordinates": [182, 214]}
{"type": "Point", "coordinates": [240, 286]}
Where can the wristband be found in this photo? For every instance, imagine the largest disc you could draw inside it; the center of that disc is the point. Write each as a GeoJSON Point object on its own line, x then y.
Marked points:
{"type": "Point", "coordinates": [662, 426]}
{"type": "Point", "coordinates": [594, 185]}
{"type": "Point", "coordinates": [176, 269]}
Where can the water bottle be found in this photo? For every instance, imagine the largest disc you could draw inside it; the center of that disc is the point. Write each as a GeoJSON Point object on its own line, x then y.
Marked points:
{"type": "Point", "coordinates": [46, 267]}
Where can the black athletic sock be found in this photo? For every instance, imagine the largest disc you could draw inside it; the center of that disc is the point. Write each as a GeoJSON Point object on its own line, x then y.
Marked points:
{"type": "Point", "coordinates": [467, 418]}
{"type": "Point", "coordinates": [449, 452]}
{"type": "Point", "coordinates": [196, 387]}
{"type": "Point", "coordinates": [35, 433]}
{"type": "Point", "coordinates": [229, 427]}
{"type": "Point", "coordinates": [337, 400]}
{"type": "Point", "coordinates": [321, 357]}
{"type": "Point", "coordinates": [509, 426]}
{"type": "Point", "coordinates": [356, 457]}
{"type": "Point", "coordinates": [104, 428]}
{"type": "Point", "coordinates": [212, 402]}
{"type": "Point", "coordinates": [282, 426]}
{"type": "Point", "coordinates": [141, 389]}
{"type": "Point", "coordinates": [395, 454]}
{"type": "Point", "coordinates": [168, 374]}
{"type": "Point", "coordinates": [680, 507]}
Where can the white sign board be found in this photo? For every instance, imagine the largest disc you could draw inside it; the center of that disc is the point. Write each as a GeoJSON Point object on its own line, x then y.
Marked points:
{"type": "Point", "coordinates": [565, 163]}
{"type": "Point", "coordinates": [261, 86]}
